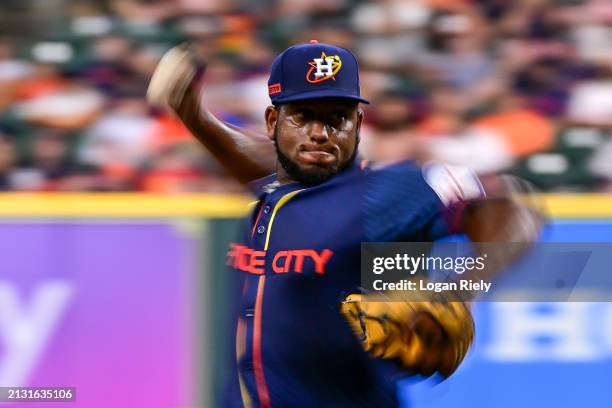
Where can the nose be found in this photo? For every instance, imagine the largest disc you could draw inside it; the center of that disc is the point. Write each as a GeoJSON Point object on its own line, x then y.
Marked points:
{"type": "Point", "coordinates": [318, 132]}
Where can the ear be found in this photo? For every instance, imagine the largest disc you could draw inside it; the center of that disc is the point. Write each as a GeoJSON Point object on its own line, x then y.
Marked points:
{"type": "Point", "coordinates": [271, 117]}
{"type": "Point", "coordinates": [359, 122]}
{"type": "Point", "coordinates": [359, 119]}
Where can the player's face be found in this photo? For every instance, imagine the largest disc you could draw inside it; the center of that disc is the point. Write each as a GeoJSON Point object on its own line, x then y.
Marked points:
{"type": "Point", "coordinates": [314, 139]}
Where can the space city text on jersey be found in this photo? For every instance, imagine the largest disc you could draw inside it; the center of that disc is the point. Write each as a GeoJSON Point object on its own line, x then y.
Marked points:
{"type": "Point", "coordinates": [253, 261]}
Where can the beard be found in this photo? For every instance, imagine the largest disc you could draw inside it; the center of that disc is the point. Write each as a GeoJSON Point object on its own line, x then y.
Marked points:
{"type": "Point", "coordinates": [312, 176]}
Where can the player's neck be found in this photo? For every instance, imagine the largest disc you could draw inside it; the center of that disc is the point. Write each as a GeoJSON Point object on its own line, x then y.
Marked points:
{"type": "Point", "coordinates": [282, 177]}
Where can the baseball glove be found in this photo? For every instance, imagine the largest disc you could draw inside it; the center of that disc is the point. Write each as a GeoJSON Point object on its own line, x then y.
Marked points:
{"type": "Point", "coordinates": [424, 337]}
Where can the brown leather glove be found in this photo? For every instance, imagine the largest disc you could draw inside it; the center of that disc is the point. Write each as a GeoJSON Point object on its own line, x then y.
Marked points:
{"type": "Point", "coordinates": [424, 337]}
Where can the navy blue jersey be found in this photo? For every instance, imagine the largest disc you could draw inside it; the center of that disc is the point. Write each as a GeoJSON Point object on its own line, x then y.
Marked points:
{"type": "Point", "coordinates": [300, 257]}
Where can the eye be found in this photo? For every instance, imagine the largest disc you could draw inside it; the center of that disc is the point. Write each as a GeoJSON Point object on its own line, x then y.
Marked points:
{"type": "Point", "coordinates": [301, 115]}
{"type": "Point", "coordinates": [337, 119]}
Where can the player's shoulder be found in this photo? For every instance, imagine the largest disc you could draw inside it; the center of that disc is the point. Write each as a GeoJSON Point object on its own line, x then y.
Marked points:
{"type": "Point", "coordinates": [405, 167]}
{"type": "Point", "coordinates": [406, 173]}
{"type": "Point", "coordinates": [401, 182]}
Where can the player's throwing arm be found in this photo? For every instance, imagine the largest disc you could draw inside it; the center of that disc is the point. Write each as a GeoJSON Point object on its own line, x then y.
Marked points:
{"type": "Point", "coordinates": [177, 84]}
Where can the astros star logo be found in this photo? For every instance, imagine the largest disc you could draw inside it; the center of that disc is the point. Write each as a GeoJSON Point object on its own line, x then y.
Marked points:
{"type": "Point", "coordinates": [324, 68]}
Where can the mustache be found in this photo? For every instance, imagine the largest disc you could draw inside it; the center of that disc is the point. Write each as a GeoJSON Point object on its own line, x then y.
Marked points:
{"type": "Point", "coordinates": [315, 176]}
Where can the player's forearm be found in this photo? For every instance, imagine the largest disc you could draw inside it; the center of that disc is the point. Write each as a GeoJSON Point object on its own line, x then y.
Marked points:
{"type": "Point", "coordinates": [502, 229]}
{"type": "Point", "coordinates": [501, 220]}
{"type": "Point", "coordinates": [511, 212]}
{"type": "Point", "coordinates": [246, 155]}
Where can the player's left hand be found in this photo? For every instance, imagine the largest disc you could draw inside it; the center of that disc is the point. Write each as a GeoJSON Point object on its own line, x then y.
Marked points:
{"type": "Point", "coordinates": [424, 337]}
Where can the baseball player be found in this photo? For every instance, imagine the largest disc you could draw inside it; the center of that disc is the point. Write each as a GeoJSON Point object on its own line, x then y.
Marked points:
{"type": "Point", "coordinates": [305, 337]}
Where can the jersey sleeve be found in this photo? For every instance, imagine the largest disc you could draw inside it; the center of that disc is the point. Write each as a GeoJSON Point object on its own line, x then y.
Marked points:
{"type": "Point", "coordinates": [456, 187]}
{"type": "Point", "coordinates": [404, 202]}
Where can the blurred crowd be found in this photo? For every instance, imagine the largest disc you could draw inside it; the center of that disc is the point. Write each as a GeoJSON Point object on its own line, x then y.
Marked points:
{"type": "Point", "coordinates": [523, 87]}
